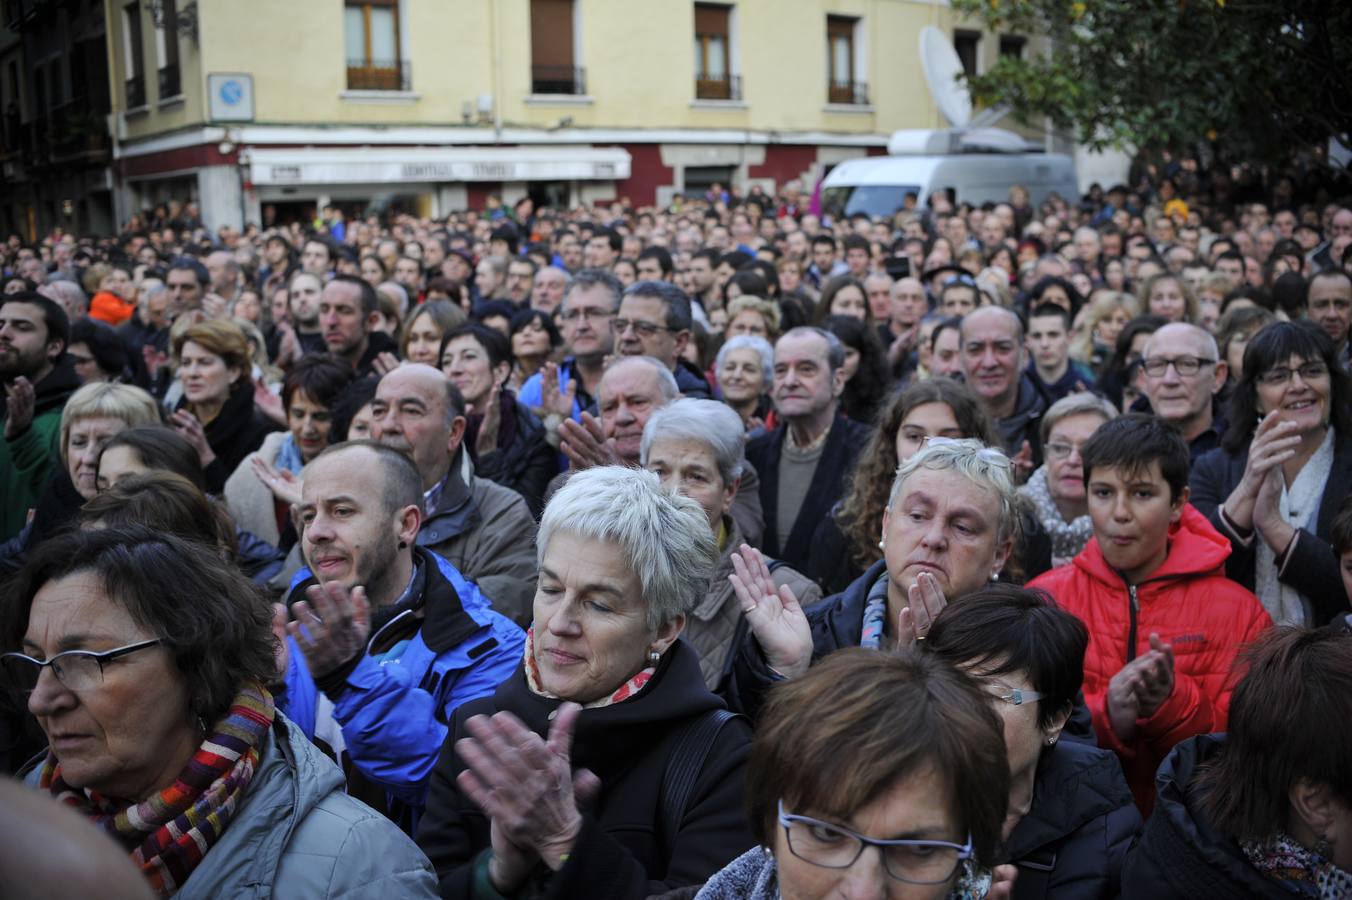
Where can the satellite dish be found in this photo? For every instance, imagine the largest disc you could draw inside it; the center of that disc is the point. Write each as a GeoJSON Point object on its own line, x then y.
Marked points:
{"type": "Point", "coordinates": [942, 68]}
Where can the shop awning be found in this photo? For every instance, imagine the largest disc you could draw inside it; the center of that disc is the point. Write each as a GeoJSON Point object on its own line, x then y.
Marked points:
{"type": "Point", "coordinates": [395, 165]}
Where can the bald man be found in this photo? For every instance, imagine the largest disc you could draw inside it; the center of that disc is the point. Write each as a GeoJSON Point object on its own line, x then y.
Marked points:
{"type": "Point", "coordinates": [1184, 373]}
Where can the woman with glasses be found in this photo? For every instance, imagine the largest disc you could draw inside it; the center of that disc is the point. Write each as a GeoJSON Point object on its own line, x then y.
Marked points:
{"type": "Point", "coordinates": [1275, 484]}
{"type": "Point", "coordinates": [873, 775]}
{"type": "Point", "coordinates": [1071, 816]}
{"type": "Point", "coordinates": [1056, 489]}
{"type": "Point", "coordinates": [145, 659]}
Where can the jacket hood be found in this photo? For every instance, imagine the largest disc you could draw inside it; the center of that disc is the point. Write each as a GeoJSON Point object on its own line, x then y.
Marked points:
{"type": "Point", "coordinates": [53, 391]}
{"type": "Point", "coordinates": [1195, 548]}
{"type": "Point", "coordinates": [609, 739]}
{"type": "Point", "coordinates": [1180, 854]}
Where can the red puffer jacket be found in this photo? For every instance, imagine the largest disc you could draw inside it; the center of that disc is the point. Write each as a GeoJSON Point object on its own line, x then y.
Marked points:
{"type": "Point", "coordinates": [1190, 604]}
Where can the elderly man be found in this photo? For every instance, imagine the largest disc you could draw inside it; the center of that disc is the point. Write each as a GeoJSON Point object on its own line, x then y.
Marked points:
{"type": "Point", "coordinates": [1184, 374]}
{"type": "Point", "coordinates": [654, 320]}
{"type": "Point", "coordinates": [484, 529]}
{"type": "Point", "coordinates": [550, 284]}
{"type": "Point", "coordinates": [631, 390]}
{"type": "Point", "coordinates": [390, 638]}
{"type": "Point", "coordinates": [226, 276]}
{"type": "Point", "coordinates": [993, 362]}
{"type": "Point", "coordinates": [803, 462]}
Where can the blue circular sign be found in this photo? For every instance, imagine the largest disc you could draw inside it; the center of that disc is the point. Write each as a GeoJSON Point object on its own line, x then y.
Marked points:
{"type": "Point", "coordinates": [232, 92]}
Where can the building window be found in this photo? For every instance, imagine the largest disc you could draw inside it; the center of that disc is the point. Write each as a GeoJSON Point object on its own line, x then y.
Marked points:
{"type": "Point", "coordinates": [842, 62]}
{"type": "Point", "coordinates": [134, 55]}
{"type": "Point", "coordinates": [713, 67]}
{"type": "Point", "coordinates": [553, 66]}
{"type": "Point", "coordinates": [374, 58]}
{"type": "Point", "coordinates": [967, 43]}
{"type": "Point", "coordinates": [166, 43]}
{"type": "Point", "coordinates": [1011, 45]}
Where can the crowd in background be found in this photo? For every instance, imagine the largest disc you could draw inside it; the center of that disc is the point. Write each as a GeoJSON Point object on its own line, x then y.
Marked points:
{"type": "Point", "coordinates": [558, 531]}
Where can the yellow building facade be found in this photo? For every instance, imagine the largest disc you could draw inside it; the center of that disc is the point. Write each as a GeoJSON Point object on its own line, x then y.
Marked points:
{"type": "Point", "coordinates": [257, 107]}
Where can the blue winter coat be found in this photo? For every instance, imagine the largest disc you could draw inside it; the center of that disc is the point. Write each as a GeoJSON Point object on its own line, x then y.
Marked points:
{"type": "Point", "coordinates": [393, 712]}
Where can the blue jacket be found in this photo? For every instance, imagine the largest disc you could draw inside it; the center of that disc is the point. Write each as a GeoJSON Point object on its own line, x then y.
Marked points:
{"type": "Point", "coordinates": [532, 392]}
{"type": "Point", "coordinates": [393, 705]}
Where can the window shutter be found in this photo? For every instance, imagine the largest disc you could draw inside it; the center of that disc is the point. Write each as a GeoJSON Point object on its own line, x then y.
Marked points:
{"type": "Point", "coordinates": [551, 33]}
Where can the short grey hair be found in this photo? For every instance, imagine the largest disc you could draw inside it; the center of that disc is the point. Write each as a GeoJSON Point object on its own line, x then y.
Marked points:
{"type": "Point", "coordinates": [985, 466]}
{"type": "Point", "coordinates": [666, 382]}
{"type": "Point", "coordinates": [1074, 405]}
{"type": "Point", "coordinates": [588, 278]}
{"type": "Point", "coordinates": [665, 538]}
{"type": "Point", "coordinates": [835, 350]}
{"type": "Point", "coordinates": [749, 342]}
{"type": "Point", "coordinates": [707, 421]}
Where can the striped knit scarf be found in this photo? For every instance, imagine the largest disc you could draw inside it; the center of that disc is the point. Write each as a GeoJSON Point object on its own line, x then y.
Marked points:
{"type": "Point", "coordinates": [170, 832]}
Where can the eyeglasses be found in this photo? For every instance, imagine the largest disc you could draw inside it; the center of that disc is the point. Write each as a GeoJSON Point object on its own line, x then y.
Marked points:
{"type": "Point", "coordinates": [646, 329]}
{"type": "Point", "coordinates": [1060, 450]}
{"type": "Point", "coordinates": [78, 670]}
{"type": "Point", "coordinates": [1015, 696]}
{"type": "Point", "coordinates": [836, 847]}
{"type": "Point", "coordinates": [1156, 366]}
{"type": "Point", "coordinates": [591, 315]}
{"type": "Point", "coordinates": [1310, 371]}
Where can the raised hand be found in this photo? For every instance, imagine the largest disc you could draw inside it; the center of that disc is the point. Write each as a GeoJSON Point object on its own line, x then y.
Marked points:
{"type": "Point", "coordinates": [585, 444]}
{"type": "Point", "coordinates": [332, 627]}
{"type": "Point", "coordinates": [1157, 677]}
{"type": "Point", "coordinates": [284, 484]}
{"type": "Point", "coordinates": [526, 787]}
{"type": "Point", "coordinates": [1274, 442]}
{"type": "Point", "coordinates": [186, 424]}
{"type": "Point", "coordinates": [385, 363]}
{"type": "Point", "coordinates": [773, 613]}
{"type": "Point", "coordinates": [924, 601]}
{"type": "Point", "coordinates": [269, 403]}
{"type": "Point", "coordinates": [1023, 463]}
{"type": "Point", "coordinates": [554, 399]}
{"type": "Point", "coordinates": [487, 440]}
{"type": "Point", "coordinates": [1123, 700]}
{"type": "Point", "coordinates": [20, 401]}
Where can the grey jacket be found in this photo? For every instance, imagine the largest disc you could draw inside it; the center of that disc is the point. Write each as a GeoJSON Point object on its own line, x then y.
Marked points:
{"type": "Point", "coordinates": [296, 834]}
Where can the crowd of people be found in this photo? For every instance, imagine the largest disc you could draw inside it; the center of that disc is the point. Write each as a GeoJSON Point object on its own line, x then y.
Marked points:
{"type": "Point", "coordinates": [688, 552]}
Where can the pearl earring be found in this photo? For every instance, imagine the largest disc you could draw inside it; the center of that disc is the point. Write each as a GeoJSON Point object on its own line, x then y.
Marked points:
{"type": "Point", "coordinates": [882, 545]}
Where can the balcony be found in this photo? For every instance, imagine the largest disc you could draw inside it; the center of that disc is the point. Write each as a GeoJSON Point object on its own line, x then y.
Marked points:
{"type": "Point", "coordinates": [725, 87]}
{"type": "Point", "coordinates": [379, 75]}
{"type": "Point", "coordinates": [136, 92]}
{"type": "Point", "coordinates": [170, 84]}
{"type": "Point", "coordinates": [558, 80]}
{"type": "Point", "coordinates": [851, 93]}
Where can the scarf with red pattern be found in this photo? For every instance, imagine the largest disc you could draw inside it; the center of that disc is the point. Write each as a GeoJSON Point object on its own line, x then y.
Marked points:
{"type": "Point", "coordinates": [169, 832]}
{"type": "Point", "coordinates": [624, 692]}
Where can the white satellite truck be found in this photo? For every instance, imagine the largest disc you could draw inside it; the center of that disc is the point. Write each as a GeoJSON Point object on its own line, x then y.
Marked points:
{"type": "Point", "coordinates": [978, 162]}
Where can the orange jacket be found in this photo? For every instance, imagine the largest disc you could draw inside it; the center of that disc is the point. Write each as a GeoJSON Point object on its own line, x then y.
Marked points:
{"type": "Point", "coordinates": [1190, 604]}
{"type": "Point", "coordinates": [109, 307]}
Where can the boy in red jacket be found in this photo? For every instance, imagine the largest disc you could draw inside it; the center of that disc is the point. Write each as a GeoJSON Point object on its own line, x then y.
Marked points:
{"type": "Point", "coordinates": [1165, 624]}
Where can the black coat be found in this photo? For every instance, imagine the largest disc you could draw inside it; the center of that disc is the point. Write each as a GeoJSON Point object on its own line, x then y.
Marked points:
{"type": "Point", "coordinates": [1180, 855]}
{"type": "Point", "coordinates": [620, 852]}
{"type": "Point", "coordinates": [1313, 567]}
{"type": "Point", "coordinates": [237, 431]}
{"type": "Point", "coordinates": [1074, 839]}
{"type": "Point", "coordinates": [838, 457]}
{"type": "Point", "coordinates": [837, 622]}
{"type": "Point", "coordinates": [526, 464]}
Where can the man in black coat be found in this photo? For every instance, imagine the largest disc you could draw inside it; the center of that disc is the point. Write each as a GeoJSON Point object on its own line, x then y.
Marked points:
{"type": "Point", "coordinates": [804, 461]}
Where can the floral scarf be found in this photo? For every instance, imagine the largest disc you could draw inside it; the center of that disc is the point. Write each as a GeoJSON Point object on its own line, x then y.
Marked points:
{"type": "Point", "coordinates": [1068, 538]}
{"type": "Point", "coordinates": [875, 615]}
{"type": "Point", "coordinates": [169, 832]}
{"type": "Point", "coordinates": [1304, 873]}
{"type": "Point", "coordinates": [624, 692]}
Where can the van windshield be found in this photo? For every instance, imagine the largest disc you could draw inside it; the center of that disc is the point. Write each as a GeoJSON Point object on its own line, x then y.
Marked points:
{"type": "Point", "coordinates": [870, 199]}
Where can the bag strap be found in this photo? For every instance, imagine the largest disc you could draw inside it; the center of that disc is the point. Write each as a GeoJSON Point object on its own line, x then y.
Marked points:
{"type": "Point", "coordinates": [685, 762]}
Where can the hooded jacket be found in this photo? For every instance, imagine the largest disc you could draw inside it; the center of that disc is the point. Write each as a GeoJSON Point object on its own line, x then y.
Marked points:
{"type": "Point", "coordinates": [393, 710]}
{"type": "Point", "coordinates": [27, 459]}
{"type": "Point", "coordinates": [1072, 842]}
{"type": "Point", "coordinates": [1180, 855]}
{"type": "Point", "coordinates": [620, 851]}
{"type": "Point", "coordinates": [1190, 604]}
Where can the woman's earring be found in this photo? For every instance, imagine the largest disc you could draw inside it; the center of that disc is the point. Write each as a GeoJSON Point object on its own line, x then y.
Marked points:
{"type": "Point", "coordinates": [882, 545]}
{"type": "Point", "coordinates": [654, 657]}
{"type": "Point", "coordinates": [995, 576]}
{"type": "Point", "coordinates": [1323, 847]}
{"type": "Point", "coordinates": [1051, 742]}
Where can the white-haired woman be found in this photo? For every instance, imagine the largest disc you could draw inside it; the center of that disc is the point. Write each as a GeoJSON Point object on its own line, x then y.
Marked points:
{"type": "Point", "coordinates": [565, 780]}
{"type": "Point", "coordinates": [950, 524]}
{"type": "Point", "coordinates": [697, 448]}
{"type": "Point", "coordinates": [745, 369]}
{"type": "Point", "coordinates": [1056, 489]}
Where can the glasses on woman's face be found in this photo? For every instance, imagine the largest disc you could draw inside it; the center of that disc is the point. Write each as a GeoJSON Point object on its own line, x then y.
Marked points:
{"type": "Point", "coordinates": [837, 847]}
{"type": "Point", "coordinates": [1310, 371]}
{"type": "Point", "coordinates": [77, 670]}
{"type": "Point", "coordinates": [1060, 449]}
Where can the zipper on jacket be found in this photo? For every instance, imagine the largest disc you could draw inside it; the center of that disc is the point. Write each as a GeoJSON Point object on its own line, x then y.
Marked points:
{"type": "Point", "coordinates": [1131, 632]}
